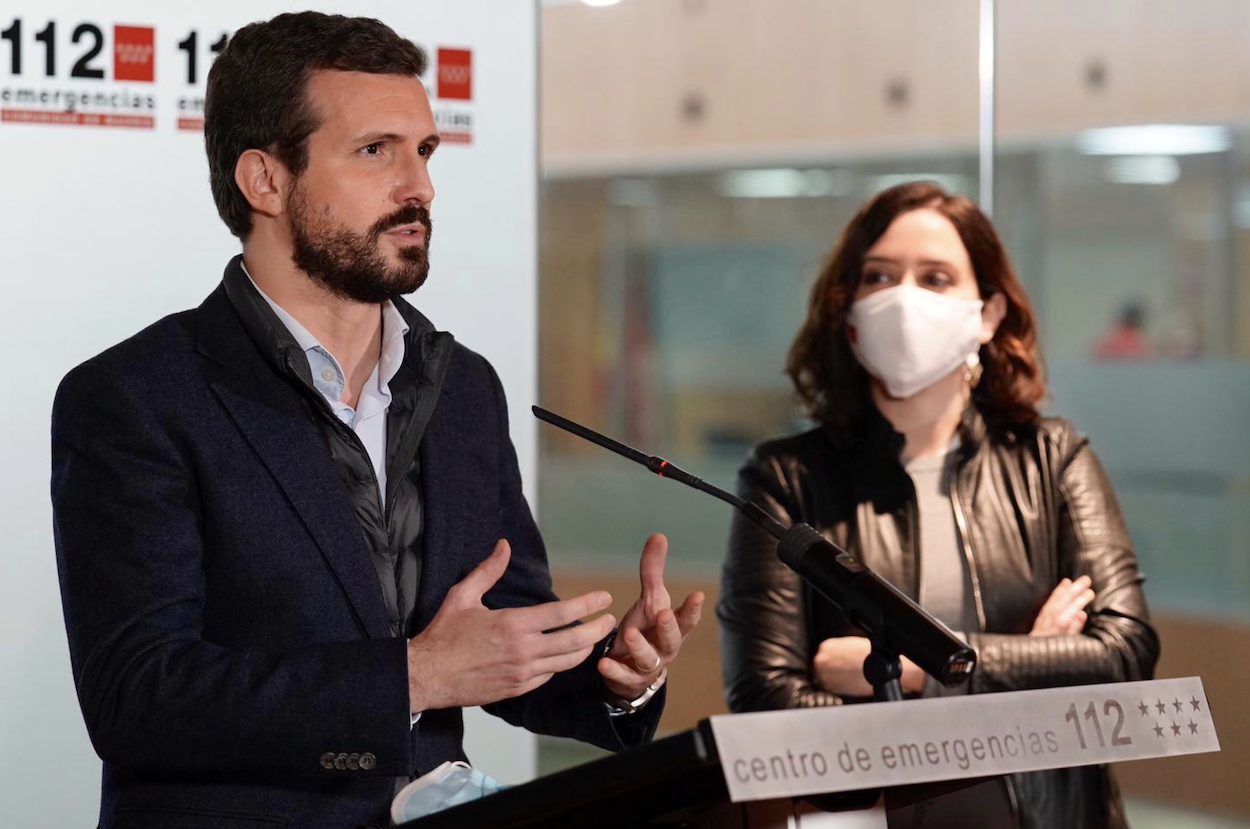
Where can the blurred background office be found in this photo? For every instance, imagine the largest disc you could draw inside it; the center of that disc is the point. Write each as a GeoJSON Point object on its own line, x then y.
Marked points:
{"type": "Point", "coordinates": [698, 159]}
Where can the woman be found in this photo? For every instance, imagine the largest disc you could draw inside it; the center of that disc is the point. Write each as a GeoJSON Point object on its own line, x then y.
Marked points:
{"type": "Point", "coordinates": [932, 465]}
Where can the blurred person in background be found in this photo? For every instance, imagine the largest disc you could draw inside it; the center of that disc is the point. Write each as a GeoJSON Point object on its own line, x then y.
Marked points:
{"type": "Point", "coordinates": [931, 464]}
{"type": "Point", "coordinates": [1126, 340]}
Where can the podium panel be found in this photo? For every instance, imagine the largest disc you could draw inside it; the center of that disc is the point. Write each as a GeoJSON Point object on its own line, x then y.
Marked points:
{"type": "Point", "coordinates": [785, 769]}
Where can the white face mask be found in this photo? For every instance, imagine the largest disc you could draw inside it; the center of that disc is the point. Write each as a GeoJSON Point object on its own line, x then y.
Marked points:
{"type": "Point", "coordinates": [909, 337]}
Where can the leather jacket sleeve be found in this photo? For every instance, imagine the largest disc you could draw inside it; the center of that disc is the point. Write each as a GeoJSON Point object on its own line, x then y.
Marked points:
{"type": "Point", "coordinates": [1118, 643]}
{"type": "Point", "coordinates": [765, 649]}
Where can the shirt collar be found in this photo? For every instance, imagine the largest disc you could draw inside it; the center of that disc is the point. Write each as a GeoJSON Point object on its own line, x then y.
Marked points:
{"type": "Point", "coordinates": [302, 335]}
{"type": "Point", "coordinates": [394, 328]}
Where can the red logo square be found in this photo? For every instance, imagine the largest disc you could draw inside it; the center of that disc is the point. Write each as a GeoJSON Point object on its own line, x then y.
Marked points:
{"type": "Point", "coordinates": [134, 53]}
{"type": "Point", "coordinates": [455, 74]}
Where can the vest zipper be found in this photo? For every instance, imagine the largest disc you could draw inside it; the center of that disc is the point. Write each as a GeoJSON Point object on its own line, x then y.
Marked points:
{"type": "Point", "coordinates": [377, 485]}
{"type": "Point", "coordinates": [411, 439]}
{"type": "Point", "coordinates": [966, 539]}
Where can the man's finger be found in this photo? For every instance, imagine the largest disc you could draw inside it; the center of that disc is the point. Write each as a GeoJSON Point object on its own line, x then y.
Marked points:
{"type": "Point", "coordinates": [651, 573]}
{"type": "Point", "coordinates": [483, 577]}
{"type": "Point", "coordinates": [622, 674]}
{"type": "Point", "coordinates": [641, 652]}
{"type": "Point", "coordinates": [667, 635]}
{"type": "Point", "coordinates": [563, 662]}
{"type": "Point", "coordinates": [552, 615]}
{"type": "Point", "coordinates": [574, 638]}
{"type": "Point", "coordinates": [690, 612]}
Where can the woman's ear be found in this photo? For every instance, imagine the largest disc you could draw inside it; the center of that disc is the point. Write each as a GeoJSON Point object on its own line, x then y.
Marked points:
{"type": "Point", "coordinates": [992, 313]}
{"type": "Point", "coordinates": [260, 178]}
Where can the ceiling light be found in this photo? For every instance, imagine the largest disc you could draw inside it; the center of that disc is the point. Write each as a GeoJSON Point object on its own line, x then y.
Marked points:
{"type": "Point", "coordinates": [1143, 169]}
{"type": "Point", "coordinates": [784, 183]}
{"type": "Point", "coordinates": [1155, 139]}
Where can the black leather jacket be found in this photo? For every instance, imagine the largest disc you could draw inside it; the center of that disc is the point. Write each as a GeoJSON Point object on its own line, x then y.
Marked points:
{"type": "Point", "coordinates": [1033, 506]}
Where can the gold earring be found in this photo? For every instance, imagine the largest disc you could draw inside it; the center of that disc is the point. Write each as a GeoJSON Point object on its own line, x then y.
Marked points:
{"type": "Point", "coordinates": [973, 372]}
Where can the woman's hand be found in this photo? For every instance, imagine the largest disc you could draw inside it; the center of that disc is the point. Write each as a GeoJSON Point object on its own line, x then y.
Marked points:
{"type": "Point", "coordinates": [839, 668]}
{"type": "Point", "coordinates": [1064, 612]}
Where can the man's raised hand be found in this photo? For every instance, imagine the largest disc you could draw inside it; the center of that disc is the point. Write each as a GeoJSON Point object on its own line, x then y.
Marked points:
{"type": "Point", "coordinates": [472, 655]}
{"type": "Point", "coordinates": [651, 632]}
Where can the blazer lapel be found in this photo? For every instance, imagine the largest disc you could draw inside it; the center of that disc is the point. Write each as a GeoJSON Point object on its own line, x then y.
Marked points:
{"type": "Point", "coordinates": [276, 423]}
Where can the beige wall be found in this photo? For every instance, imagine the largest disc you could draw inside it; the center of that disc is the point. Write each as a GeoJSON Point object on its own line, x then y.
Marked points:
{"type": "Point", "coordinates": [796, 78]}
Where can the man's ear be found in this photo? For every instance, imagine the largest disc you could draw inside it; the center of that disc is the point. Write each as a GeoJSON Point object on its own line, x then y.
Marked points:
{"type": "Point", "coordinates": [992, 314]}
{"type": "Point", "coordinates": [262, 179]}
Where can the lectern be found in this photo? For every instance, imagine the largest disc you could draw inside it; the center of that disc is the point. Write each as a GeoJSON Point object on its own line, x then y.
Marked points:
{"type": "Point", "coordinates": [755, 771]}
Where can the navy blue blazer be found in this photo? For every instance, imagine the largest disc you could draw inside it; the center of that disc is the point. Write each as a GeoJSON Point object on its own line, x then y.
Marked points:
{"type": "Point", "coordinates": [226, 626]}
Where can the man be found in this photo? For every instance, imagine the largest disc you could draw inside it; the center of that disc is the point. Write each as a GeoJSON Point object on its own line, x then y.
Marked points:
{"type": "Point", "coordinates": [289, 523]}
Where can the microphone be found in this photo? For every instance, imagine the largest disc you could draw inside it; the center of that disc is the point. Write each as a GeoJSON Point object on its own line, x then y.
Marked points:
{"type": "Point", "coordinates": [867, 600]}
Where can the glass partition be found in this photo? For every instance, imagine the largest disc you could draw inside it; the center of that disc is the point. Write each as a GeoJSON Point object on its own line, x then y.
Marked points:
{"type": "Point", "coordinates": [666, 324]}
{"type": "Point", "coordinates": [669, 296]}
{"type": "Point", "coordinates": [1126, 214]}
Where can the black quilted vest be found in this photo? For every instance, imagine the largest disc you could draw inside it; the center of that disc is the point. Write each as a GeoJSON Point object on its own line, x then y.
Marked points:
{"type": "Point", "coordinates": [392, 533]}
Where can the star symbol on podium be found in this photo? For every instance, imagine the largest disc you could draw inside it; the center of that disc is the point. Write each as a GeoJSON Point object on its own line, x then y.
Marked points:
{"type": "Point", "coordinates": [1176, 730]}
{"type": "Point", "coordinates": [1197, 705]}
{"type": "Point", "coordinates": [1193, 727]}
{"type": "Point", "coordinates": [1162, 708]}
{"type": "Point", "coordinates": [1143, 708]}
{"type": "Point", "coordinates": [1178, 705]}
{"type": "Point", "coordinates": [1159, 731]}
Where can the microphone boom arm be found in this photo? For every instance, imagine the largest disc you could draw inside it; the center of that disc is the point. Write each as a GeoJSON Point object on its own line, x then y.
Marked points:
{"type": "Point", "coordinates": [895, 623]}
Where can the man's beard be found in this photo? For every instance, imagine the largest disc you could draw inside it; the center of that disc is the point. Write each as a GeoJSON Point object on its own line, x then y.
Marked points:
{"type": "Point", "coordinates": [352, 264]}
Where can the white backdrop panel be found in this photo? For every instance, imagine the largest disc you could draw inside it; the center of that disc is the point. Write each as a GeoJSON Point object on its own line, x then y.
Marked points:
{"type": "Point", "coordinates": [104, 229]}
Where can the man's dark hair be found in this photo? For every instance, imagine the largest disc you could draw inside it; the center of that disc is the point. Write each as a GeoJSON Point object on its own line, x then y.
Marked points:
{"type": "Point", "coordinates": [257, 91]}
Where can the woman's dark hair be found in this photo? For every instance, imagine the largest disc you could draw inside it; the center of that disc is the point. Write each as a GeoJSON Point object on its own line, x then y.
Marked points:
{"type": "Point", "coordinates": [257, 87]}
{"type": "Point", "coordinates": [828, 379]}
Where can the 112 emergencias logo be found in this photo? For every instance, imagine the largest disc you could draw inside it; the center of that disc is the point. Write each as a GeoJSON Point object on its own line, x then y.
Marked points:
{"type": "Point", "coordinates": [88, 74]}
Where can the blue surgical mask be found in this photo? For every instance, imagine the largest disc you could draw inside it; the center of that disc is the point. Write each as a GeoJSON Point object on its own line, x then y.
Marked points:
{"type": "Point", "coordinates": [449, 785]}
